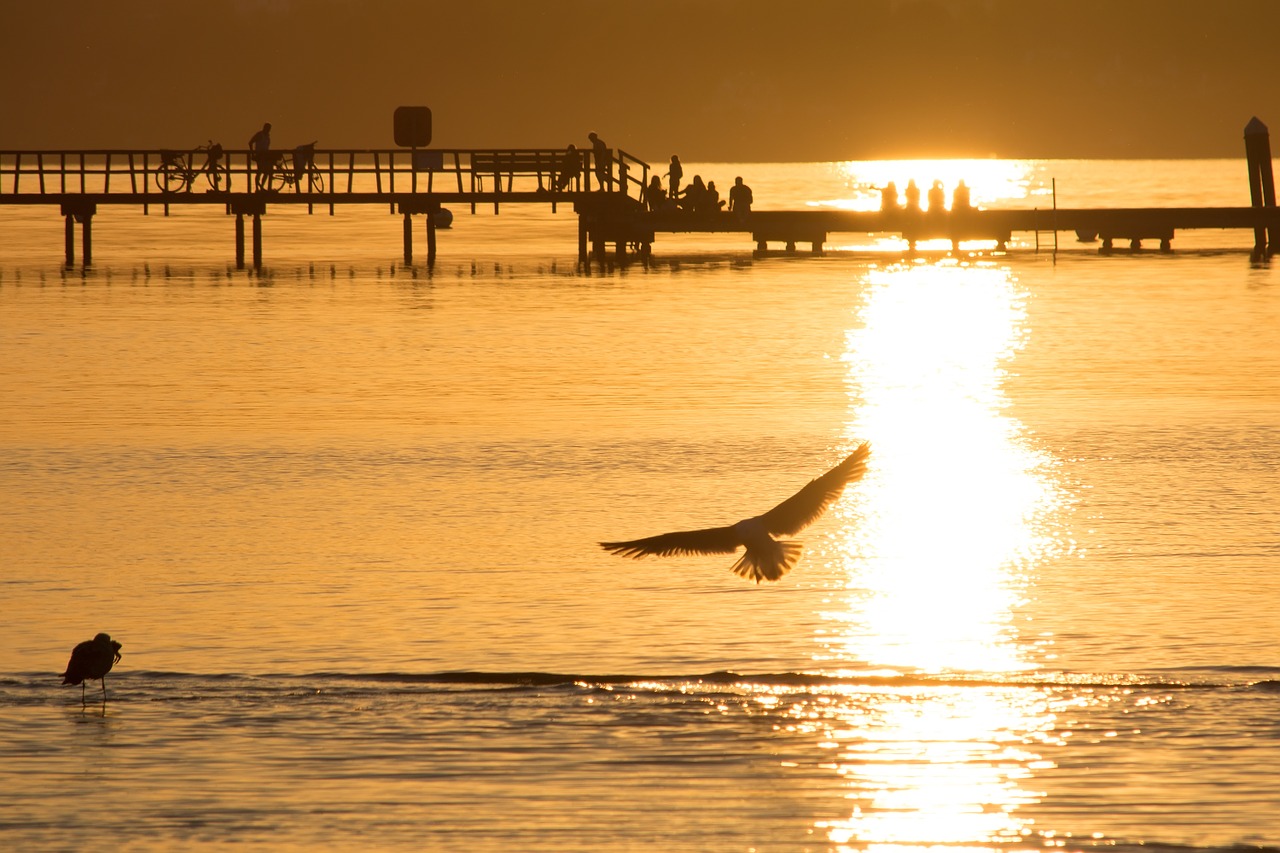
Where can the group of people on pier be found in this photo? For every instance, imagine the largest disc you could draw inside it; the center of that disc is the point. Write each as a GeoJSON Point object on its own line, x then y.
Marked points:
{"type": "Point", "coordinates": [937, 198]}
{"type": "Point", "coordinates": [697, 198]}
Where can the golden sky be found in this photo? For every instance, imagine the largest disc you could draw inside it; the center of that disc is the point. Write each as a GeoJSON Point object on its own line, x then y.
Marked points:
{"type": "Point", "coordinates": [732, 80]}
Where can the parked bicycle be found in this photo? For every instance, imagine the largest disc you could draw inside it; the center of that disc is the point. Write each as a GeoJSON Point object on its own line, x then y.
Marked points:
{"type": "Point", "coordinates": [178, 171]}
{"type": "Point", "coordinates": [297, 169]}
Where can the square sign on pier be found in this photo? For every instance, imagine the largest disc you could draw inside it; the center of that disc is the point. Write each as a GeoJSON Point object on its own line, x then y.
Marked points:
{"type": "Point", "coordinates": [413, 127]}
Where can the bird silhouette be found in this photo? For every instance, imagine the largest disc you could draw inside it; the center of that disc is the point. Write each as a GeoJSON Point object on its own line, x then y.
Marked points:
{"type": "Point", "coordinates": [92, 659]}
{"type": "Point", "coordinates": [766, 558]}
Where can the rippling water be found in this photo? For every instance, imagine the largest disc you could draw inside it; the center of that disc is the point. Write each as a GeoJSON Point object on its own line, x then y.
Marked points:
{"type": "Point", "coordinates": [342, 515]}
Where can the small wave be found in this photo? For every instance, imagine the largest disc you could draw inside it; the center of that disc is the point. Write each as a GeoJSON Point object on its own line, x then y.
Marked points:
{"type": "Point", "coordinates": [794, 680]}
{"type": "Point", "coordinates": [719, 681]}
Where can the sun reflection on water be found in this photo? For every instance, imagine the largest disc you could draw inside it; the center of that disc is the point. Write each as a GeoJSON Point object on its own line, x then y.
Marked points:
{"type": "Point", "coordinates": [953, 515]}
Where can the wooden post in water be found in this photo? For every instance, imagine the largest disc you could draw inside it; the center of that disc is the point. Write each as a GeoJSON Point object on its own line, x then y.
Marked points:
{"type": "Point", "coordinates": [408, 238]}
{"type": "Point", "coordinates": [239, 240]}
{"type": "Point", "coordinates": [1262, 187]}
{"type": "Point", "coordinates": [71, 239]}
{"type": "Point", "coordinates": [79, 211]}
{"type": "Point", "coordinates": [86, 235]}
{"type": "Point", "coordinates": [431, 237]}
{"type": "Point", "coordinates": [257, 240]}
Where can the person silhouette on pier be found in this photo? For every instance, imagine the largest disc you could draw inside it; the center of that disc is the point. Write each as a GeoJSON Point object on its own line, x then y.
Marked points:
{"type": "Point", "coordinates": [674, 175]}
{"type": "Point", "coordinates": [602, 159]}
{"type": "Point", "coordinates": [960, 198]}
{"type": "Point", "coordinates": [740, 198]}
{"type": "Point", "coordinates": [695, 197]}
{"type": "Point", "coordinates": [655, 197]}
{"type": "Point", "coordinates": [713, 198]}
{"type": "Point", "coordinates": [937, 198]}
{"type": "Point", "coordinates": [889, 196]}
{"type": "Point", "coordinates": [260, 151]}
{"type": "Point", "coordinates": [570, 167]}
{"type": "Point", "coordinates": [912, 194]}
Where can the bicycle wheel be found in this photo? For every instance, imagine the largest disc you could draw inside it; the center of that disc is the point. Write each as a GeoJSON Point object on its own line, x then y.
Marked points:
{"type": "Point", "coordinates": [315, 181]}
{"type": "Point", "coordinates": [172, 177]}
{"type": "Point", "coordinates": [277, 179]}
{"type": "Point", "coordinates": [219, 178]}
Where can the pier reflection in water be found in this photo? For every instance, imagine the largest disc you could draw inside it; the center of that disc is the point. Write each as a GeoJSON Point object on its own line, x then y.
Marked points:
{"type": "Point", "coordinates": [956, 512]}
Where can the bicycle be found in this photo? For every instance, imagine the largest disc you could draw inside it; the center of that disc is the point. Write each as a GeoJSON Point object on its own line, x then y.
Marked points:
{"type": "Point", "coordinates": [178, 172]}
{"type": "Point", "coordinates": [296, 169]}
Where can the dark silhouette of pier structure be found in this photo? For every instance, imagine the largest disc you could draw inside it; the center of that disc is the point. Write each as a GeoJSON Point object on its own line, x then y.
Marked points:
{"type": "Point", "coordinates": [421, 182]}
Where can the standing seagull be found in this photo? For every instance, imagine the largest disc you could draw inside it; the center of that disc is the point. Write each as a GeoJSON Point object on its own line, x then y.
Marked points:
{"type": "Point", "coordinates": [766, 558]}
{"type": "Point", "coordinates": [92, 659]}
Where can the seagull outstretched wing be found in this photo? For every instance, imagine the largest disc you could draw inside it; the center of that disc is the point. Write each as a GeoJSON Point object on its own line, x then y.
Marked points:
{"type": "Point", "coordinates": [713, 540]}
{"type": "Point", "coordinates": [765, 557]}
{"type": "Point", "coordinates": [805, 506]}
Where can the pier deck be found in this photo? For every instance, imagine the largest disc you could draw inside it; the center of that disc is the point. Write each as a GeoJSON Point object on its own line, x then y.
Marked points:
{"type": "Point", "coordinates": [421, 182]}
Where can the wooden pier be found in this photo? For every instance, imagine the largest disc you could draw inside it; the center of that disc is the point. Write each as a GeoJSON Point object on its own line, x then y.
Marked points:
{"type": "Point", "coordinates": [422, 182]}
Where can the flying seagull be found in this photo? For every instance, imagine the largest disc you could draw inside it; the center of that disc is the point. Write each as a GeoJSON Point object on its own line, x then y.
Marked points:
{"type": "Point", "coordinates": [766, 558]}
{"type": "Point", "coordinates": [92, 659]}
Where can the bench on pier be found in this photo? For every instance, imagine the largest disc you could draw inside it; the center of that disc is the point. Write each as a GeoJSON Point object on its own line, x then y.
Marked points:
{"type": "Point", "coordinates": [510, 164]}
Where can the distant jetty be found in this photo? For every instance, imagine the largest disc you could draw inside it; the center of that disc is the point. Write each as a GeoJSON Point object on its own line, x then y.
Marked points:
{"type": "Point", "coordinates": [421, 182]}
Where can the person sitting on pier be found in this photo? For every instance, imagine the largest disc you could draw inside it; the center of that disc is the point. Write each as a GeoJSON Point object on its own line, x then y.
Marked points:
{"type": "Point", "coordinates": [602, 160]}
{"type": "Point", "coordinates": [740, 198]}
{"type": "Point", "coordinates": [912, 194]}
{"type": "Point", "coordinates": [695, 197]}
{"type": "Point", "coordinates": [889, 196]}
{"type": "Point", "coordinates": [570, 167]}
{"type": "Point", "coordinates": [260, 151]}
{"type": "Point", "coordinates": [960, 198]}
{"type": "Point", "coordinates": [937, 198]}
{"type": "Point", "coordinates": [655, 197]}
{"type": "Point", "coordinates": [713, 198]}
{"type": "Point", "coordinates": [674, 176]}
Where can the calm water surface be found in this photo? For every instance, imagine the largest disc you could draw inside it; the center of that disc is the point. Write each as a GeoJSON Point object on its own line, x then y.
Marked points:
{"type": "Point", "coordinates": [342, 515]}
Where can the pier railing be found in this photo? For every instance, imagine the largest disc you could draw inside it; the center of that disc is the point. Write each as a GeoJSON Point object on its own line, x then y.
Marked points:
{"type": "Point", "coordinates": [201, 175]}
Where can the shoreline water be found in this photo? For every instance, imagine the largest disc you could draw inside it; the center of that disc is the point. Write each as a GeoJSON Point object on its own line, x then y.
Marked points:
{"type": "Point", "coordinates": [345, 528]}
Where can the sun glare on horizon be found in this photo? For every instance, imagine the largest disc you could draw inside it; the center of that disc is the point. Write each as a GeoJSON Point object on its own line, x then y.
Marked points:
{"type": "Point", "coordinates": [1009, 183]}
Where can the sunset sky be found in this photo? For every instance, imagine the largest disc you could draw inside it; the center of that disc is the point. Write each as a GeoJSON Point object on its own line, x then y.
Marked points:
{"type": "Point", "coordinates": [732, 80]}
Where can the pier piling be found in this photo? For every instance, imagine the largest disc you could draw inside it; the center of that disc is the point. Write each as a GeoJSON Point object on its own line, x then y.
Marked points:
{"type": "Point", "coordinates": [257, 241]}
{"type": "Point", "coordinates": [81, 211]}
{"type": "Point", "coordinates": [86, 235]}
{"type": "Point", "coordinates": [1262, 187]}
{"type": "Point", "coordinates": [431, 237]}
